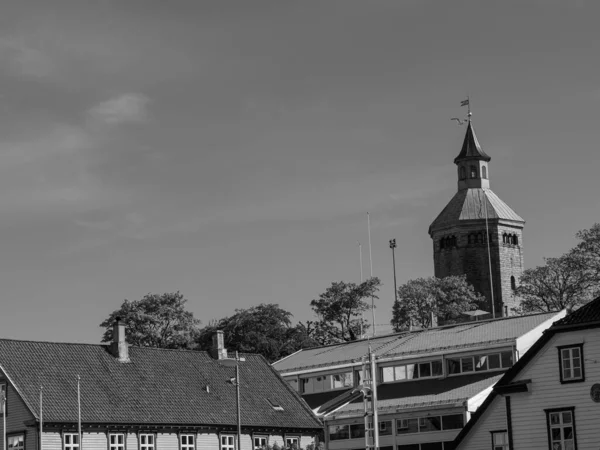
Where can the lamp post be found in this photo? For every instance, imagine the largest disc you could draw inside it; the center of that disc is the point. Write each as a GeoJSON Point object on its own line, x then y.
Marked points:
{"type": "Point", "coordinates": [234, 362]}
{"type": "Point", "coordinates": [393, 247]}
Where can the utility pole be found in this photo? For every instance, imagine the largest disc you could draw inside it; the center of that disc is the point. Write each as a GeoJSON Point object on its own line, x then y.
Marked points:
{"type": "Point", "coordinates": [393, 247]}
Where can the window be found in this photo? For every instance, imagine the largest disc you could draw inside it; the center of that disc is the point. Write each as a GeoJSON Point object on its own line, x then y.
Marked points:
{"type": "Point", "coordinates": [462, 173]}
{"type": "Point", "coordinates": [571, 363]}
{"type": "Point", "coordinates": [385, 428]}
{"type": "Point", "coordinates": [513, 283]}
{"type": "Point", "coordinates": [146, 441]}
{"type": "Point", "coordinates": [116, 441]}
{"type": "Point", "coordinates": [499, 440]}
{"type": "Point", "coordinates": [3, 398]}
{"type": "Point", "coordinates": [341, 380]}
{"type": "Point", "coordinates": [453, 422]}
{"type": "Point", "coordinates": [404, 426]}
{"type": "Point", "coordinates": [427, 424]}
{"type": "Point", "coordinates": [322, 383]}
{"type": "Point", "coordinates": [292, 442]}
{"type": "Point", "coordinates": [16, 442]}
{"type": "Point", "coordinates": [407, 372]}
{"type": "Point", "coordinates": [260, 442]}
{"type": "Point", "coordinates": [227, 442]}
{"type": "Point", "coordinates": [473, 172]}
{"type": "Point", "coordinates": [186, 442]}
{"type": "Point", "coordinates": [357, 431]}
{"type": "Point", "coordinates": [71, 441]}
{"type": "Point", "coordinates": [561, 429]}
{"type": "Point", "coordinates": [479, 363]}
{"type": "Point", "coordinates": [484, 172]}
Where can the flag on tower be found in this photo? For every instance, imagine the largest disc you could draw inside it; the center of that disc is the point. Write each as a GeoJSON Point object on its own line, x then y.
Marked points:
{"type": "Point", "coordinates": [464, 102]}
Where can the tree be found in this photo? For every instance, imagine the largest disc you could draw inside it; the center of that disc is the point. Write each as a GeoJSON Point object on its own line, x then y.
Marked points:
{"type": "Point", "coordinates": [339, 310]}
{"type": "Point", "coordinates": [265, 329]}
{"type": "Point", "coordinates": [563, 282]}
{"type": "Point", "coordinates": [422, 299]}
{"type": "Point", "coordinates": [155, 321]}
{"type": "Point", "coordinates": [588, 250]}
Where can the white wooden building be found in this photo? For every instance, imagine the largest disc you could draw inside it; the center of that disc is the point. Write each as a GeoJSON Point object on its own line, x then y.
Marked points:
{"type": "Point", "coordinates": [551, 398]}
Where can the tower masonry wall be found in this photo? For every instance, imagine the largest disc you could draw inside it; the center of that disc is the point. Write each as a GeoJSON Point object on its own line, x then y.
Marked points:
{"type": "Point", "coordinates": [469, 256]}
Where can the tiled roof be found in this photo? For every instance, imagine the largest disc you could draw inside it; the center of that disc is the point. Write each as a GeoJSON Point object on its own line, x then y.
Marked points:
{"type": "Point", "coordinates": [158, 386]}
{"type": "Point", "coordinates": [471, 204]}
{"type": "Point", "coordinates": [588, 313]}
{"type": "Point", "coordinates": [447, 338]}
{"type": "Point", "coordinates": [471, 148]}
{"type": "Point", "coordinates": [422, 393]}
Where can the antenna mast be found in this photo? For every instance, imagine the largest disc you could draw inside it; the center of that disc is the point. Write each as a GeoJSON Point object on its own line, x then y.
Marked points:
{"type": "Point", "coordinates": [371, 261]}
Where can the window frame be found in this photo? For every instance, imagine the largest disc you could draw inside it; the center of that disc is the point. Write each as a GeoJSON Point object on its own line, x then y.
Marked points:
{"type": "Point", "coordinates": [17, 434]}
{"type": "Point", "coordinates": [560, 348]}
{"type": "Point", "coordinates": [116, 446]}
{"type": "Point", "coordinates": [260, 436]}
{"type": "Point", "coordinates": [416, 368]}
{"type": "Point", "coordinates": [227, 435]}
{"type": "Point", "coordinates": [570, 409]}
{"type": "Point", "coordinates": [293, 437]}
{"type": "Point", "coordinates": [187, 446]}
{"type": "Point", "coordinates": [505, 446]}
{"type": "Point", "coordinates": [70, 446]}
{"type": "Point", "coordinates": [4, 387]}
{"type": "Point", "coordinates": [147, 447]}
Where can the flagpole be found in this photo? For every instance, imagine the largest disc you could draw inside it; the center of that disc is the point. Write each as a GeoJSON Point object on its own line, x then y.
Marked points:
{"type": "Point", "coordinates": [362, 316]}
{"type": "Point", "coordinates": [41, 414]}
{"type": "Point", "coordinates": [79, 412]}
{"type": "Point", "coordinates": [487, 237]}
{"type": "Point", "coordinates": [4, 443]}
{"type": "Point", "coordinates": [371, 262]}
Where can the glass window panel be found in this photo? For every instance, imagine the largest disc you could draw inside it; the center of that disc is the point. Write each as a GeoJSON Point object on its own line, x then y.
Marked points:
{"type": "Point", "coordinates": [412, 371]}
{"type": "Point", "coordinates": [567, 433]}
{"type": "Point", "coordinates": [453, 365]}
{"type": "Point", "coordinates": [400, 372]}
{"type": "Point", "coordinates": [481, 363]}
{"type": "Point", "coordinates": [565, 353]}
{"type": "Point", "coordinates": [430, 424]}
{"type": "Point", "coordinates": [569, 445]}
{"type": "Point", "coordinates": [436, 368]}
{"type": "Point", "coordinates": [337, 432]}
{"type": "Point", "coordinates": [576, 373]}
{"type": "Point", "coordinates": [424, 370]}
{"type": "Point", "coordinates": [357, 431]}
{"type": "Point", "coordinates": [432, 446]}
{"type": "Point", "coordinates": [567, 417]}
{"type": "Point", "coordinates": [409, 447]}
{"type": "Point", "coordinates": [387, 374]}
{"type": "Point", "coordinates": [575, 351]}
{"type": "Point", "coordinates": [494, 361]}
{"type": "Point", "coordinates": [555, 434]}
{"type": "Point", "coordinates": [385, 428]}
{"type": "Point", "coordinates": [453, 422]}
{"type": "Point", "coordinates": [507, 359]}
{"type": "Point", "coordinates": [404, 426]}
{"type": "Point", "coordinates": [466, 364]}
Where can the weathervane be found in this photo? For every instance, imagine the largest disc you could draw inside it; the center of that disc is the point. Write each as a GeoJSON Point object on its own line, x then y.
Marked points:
{"type": "Point", "coordinates": [469, 113]}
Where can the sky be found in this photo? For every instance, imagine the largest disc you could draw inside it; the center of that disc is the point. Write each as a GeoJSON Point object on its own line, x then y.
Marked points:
{"type": "Point", "coordinates": [231, 150]}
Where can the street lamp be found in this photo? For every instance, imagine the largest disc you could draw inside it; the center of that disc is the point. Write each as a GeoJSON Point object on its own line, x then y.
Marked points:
{"type": "Point", "coordinates": [393, 247]}
{"type": "Point", "coordinates": [234, 362]}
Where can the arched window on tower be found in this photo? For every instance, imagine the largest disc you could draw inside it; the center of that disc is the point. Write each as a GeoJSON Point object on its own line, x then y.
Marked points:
{"type": "Point", "coordinates": [483, 172]}
{"type": "Point", "coordinates": [479, 238]}
{"type": "Point", "coordinates": [515, 239]}
{"type": "Point", "coordinates": [473, 170]}
{"type": "Point", "coordinates": [504, 238]}
{"type": "Point", "coordinates": [513, 283]}
{"type": "Point", "coordinates": [462, 173]}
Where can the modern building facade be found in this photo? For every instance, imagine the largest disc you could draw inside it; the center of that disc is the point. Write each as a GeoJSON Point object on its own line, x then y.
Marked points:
{"type": "Point", "coordinates": [136, 398]}
{"type": "Point", "coordinates": [429, 381]}
{"type": "Point", "coordinates": [550, 399]}
{"type": "Point", "coordinates": [474, 216]}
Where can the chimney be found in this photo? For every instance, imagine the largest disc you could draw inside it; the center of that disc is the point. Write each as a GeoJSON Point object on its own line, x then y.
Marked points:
{"type": "Point", "coordinates": [119, 347]}
{"type": "Point", "coordinates": [218, 345]}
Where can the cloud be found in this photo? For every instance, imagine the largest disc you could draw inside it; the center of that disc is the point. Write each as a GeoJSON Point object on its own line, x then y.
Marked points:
{"type": "Point", "coordinates": [23, 59]}
{"type": "Point", "coordinates": [124, 108]}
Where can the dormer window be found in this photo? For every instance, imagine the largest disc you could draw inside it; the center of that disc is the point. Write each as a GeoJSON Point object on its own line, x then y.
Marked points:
{"type": "Point", "coordinates": [473, 172]}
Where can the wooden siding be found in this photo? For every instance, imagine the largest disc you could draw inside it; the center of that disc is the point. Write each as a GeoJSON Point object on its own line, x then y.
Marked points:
{"type": "Point", "coordinates": [17, 414]}
{"type": "Point", "coordinates": [546, 392]}
{"type": "Point", "coordinates": [494, 418]}
{"type": "Point", "coordinates": [52, 440]}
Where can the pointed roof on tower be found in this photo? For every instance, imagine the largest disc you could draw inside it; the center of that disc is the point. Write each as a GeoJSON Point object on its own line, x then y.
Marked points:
{"type": "Point", "coordinates": [471, 150]}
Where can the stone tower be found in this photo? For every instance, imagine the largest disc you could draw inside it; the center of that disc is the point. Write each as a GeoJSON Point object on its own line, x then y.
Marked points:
{"type": "Point", "coordinates": [459, 232]}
